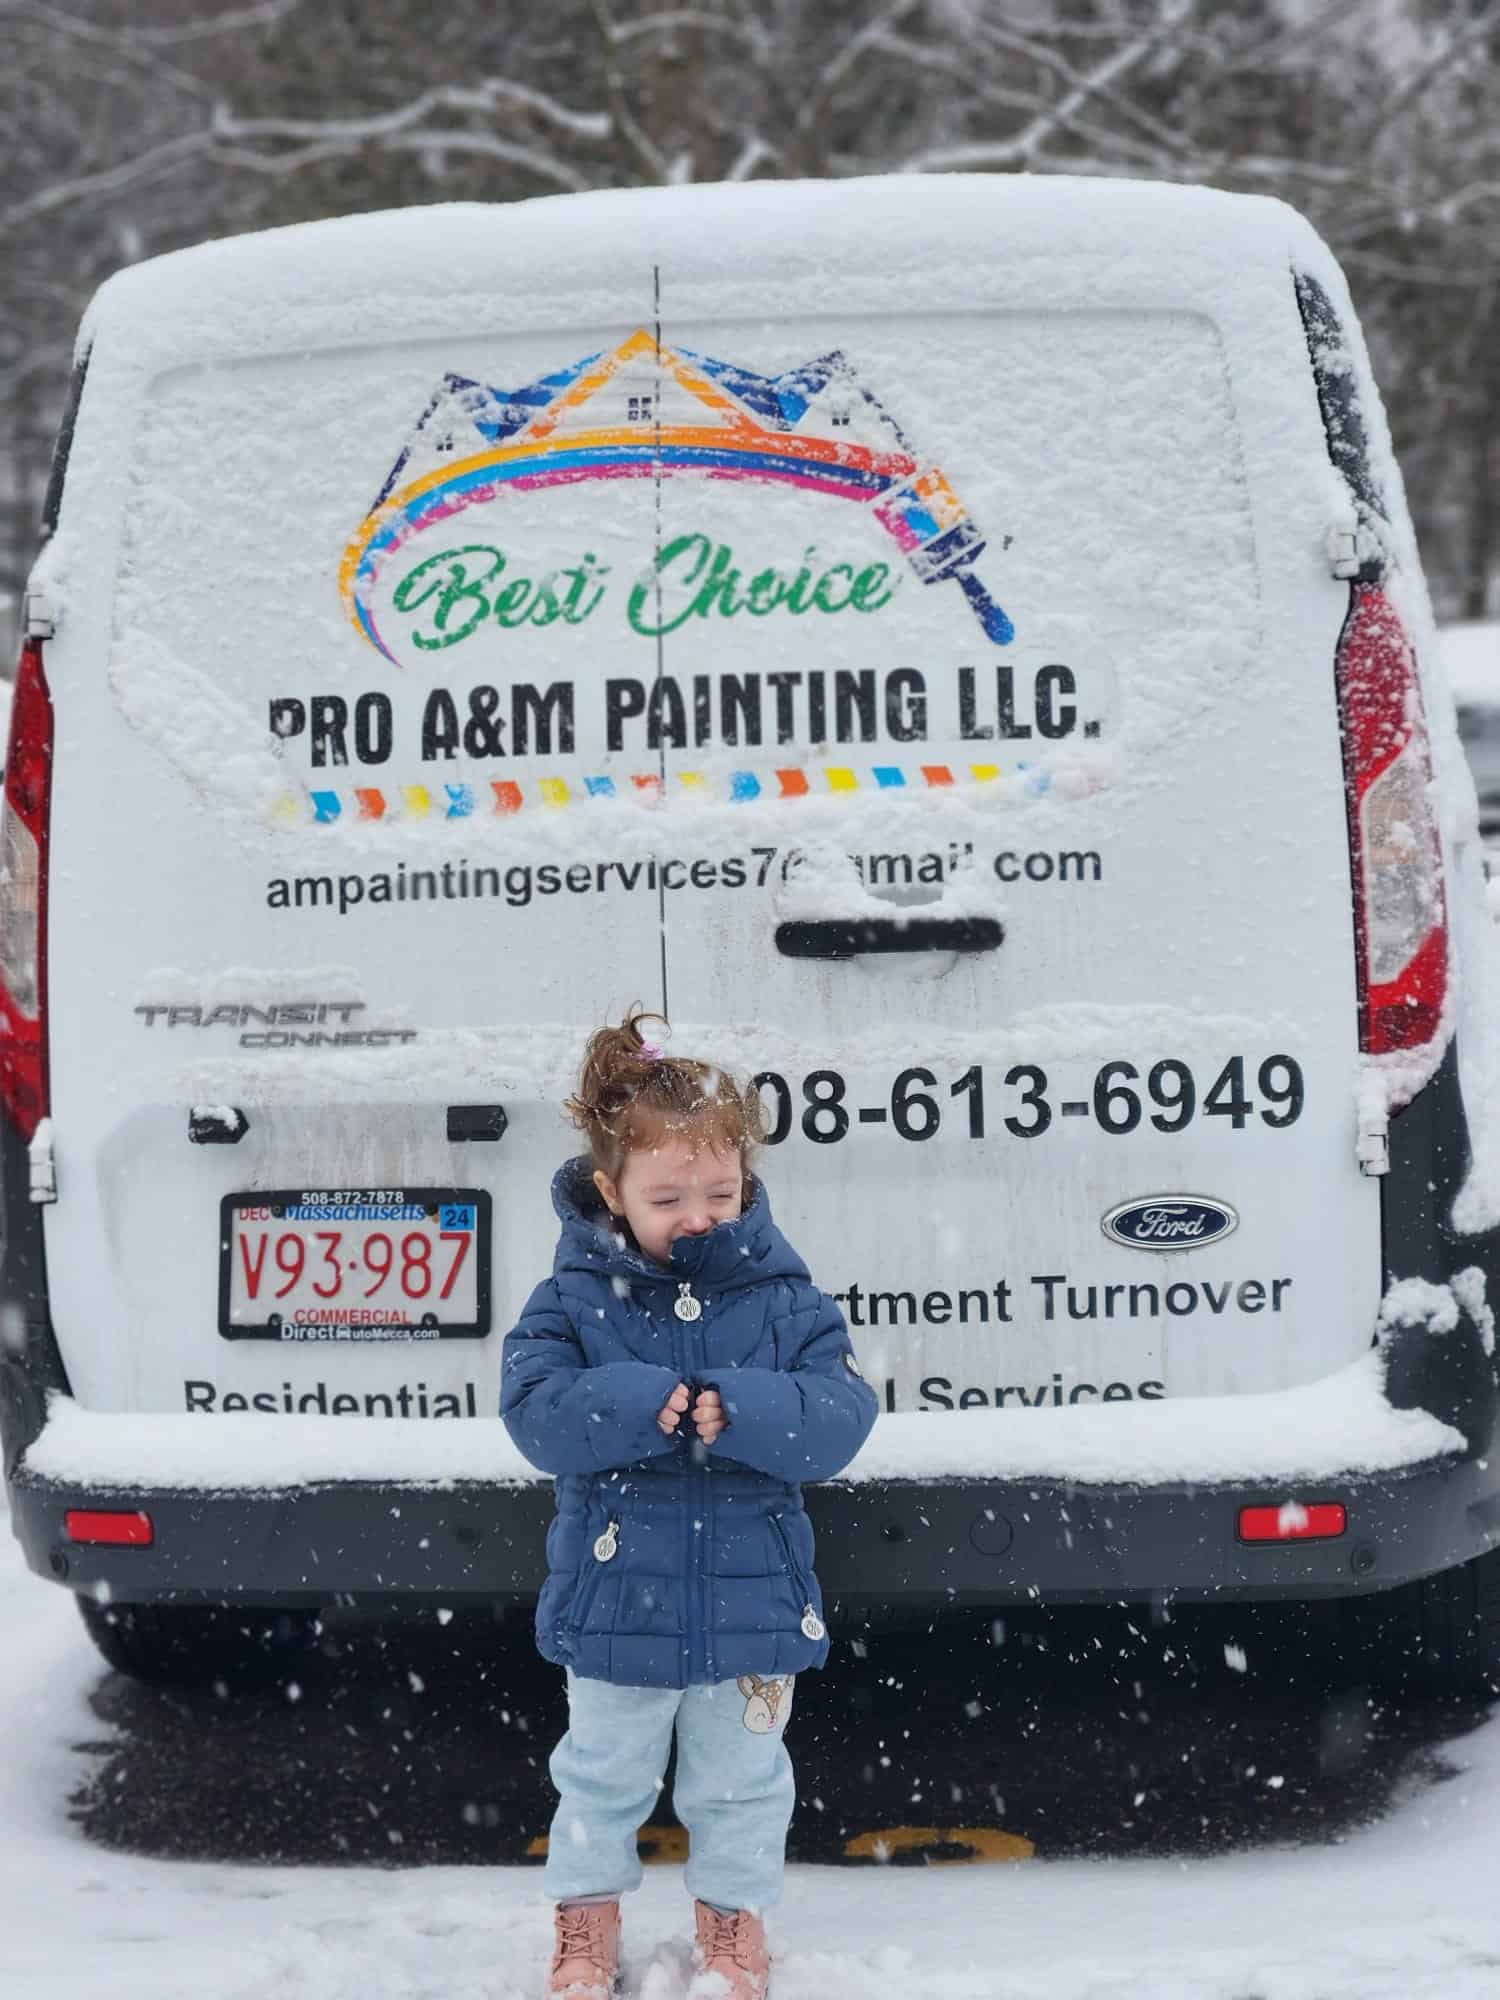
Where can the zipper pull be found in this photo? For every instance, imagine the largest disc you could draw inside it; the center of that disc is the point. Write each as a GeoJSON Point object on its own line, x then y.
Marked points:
{"type": "Point", "coordinates": [685, 1305]}
{"type": "Point", "coordinates": [607, 1546]}
{"type": "Point", "coordinates": [812, 1625]}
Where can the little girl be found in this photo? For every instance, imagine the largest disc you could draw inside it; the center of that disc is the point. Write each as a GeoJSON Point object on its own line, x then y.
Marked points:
{"type": "Point", "coordinates": [681, 1376]}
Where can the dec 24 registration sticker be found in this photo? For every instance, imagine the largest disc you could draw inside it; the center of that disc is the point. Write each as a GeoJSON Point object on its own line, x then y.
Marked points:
{"type": "Point", "coordinates": [355, 1264]}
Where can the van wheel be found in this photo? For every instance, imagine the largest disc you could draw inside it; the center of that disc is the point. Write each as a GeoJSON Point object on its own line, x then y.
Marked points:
{"type": "Point", "coordinates": [1438, 1636]}
{"type": "Point", "coordinates": [191, 1645]}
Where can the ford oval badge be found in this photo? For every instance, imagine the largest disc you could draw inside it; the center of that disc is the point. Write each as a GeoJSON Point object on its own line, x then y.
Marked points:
{"type": "Point", "coordinates": [1170, 1222]}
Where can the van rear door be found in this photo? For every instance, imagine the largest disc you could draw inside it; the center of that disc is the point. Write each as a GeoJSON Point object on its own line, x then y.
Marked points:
{"type": "Point", "coordinates": [319, 906]}
{"type": "Point", "coordinates": [1001, 620]}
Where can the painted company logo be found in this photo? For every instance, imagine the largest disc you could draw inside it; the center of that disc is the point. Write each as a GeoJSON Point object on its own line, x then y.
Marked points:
{"type": "Point", "coordinates": [1170, 1222]}
{"type": "Point", "coordinates": [648, 411]}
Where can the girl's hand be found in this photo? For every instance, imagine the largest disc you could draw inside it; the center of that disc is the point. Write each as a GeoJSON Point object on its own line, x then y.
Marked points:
{"type": "Point", "coordinates": [708, 1415]}
{"type": "Point", "coordinates": [673, 1410]}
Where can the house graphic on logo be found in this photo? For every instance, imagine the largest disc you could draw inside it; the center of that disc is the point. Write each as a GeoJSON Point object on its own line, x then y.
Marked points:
{"type": "Point", "coordinates": [647, 411]}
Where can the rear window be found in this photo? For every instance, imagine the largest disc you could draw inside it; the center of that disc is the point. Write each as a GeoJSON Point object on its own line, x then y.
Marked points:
{"type": "Point", "coordinates": [499, 576]}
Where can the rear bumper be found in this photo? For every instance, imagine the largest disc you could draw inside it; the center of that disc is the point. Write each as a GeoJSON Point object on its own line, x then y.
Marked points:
{"type": "Point", "coordinates": [893, 1544]}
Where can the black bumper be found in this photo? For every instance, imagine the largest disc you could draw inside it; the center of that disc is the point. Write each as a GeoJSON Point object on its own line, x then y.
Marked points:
{"type": "Point", "coordinates": [893, 1544]}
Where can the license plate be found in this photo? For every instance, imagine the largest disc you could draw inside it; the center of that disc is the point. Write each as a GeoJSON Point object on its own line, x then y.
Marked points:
{"type": "Point", "coordinates": [355, 1264]}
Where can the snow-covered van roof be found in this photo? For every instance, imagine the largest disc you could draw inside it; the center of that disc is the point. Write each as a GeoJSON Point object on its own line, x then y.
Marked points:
{"type": "Point", "coordinates": [1067, 241]}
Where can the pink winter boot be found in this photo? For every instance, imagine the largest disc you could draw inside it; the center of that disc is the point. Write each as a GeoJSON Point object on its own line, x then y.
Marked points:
{"type": "Point", "coordinates": [734, 1949]}
{"type": "Point", "coordinates": [586, 1960]}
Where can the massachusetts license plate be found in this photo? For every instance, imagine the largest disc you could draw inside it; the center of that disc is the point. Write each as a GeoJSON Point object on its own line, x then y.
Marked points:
{"type": "Point", "coordinates": [355, 1264]}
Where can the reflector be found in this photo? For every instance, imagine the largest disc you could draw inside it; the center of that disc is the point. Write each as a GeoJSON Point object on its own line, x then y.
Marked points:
{"type": "Point", "coordinates": [1294, 1521]}
{"type": "Point", "coordinates": [126, 1529]}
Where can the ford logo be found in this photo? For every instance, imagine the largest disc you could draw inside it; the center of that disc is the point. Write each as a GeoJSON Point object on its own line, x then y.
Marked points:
{"type": "Point", "coordinates": [1170, 1222]}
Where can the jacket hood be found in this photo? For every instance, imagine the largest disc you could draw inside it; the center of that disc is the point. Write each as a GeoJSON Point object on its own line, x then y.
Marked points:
{"type": "Point", "coordinates": [742, 1252]}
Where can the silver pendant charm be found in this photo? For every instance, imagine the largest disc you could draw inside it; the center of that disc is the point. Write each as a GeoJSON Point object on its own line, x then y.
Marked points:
{"type": "Point", "coordinates": [607, 1546]}
{"type": "Point", "coordinates": [685, 1305]}
{"type": "Point", "coordinates": [812, 1625]}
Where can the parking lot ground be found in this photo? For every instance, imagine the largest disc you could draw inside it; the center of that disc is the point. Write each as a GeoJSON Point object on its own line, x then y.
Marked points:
{"type": "Point", "coordinates": [1071, 1734]}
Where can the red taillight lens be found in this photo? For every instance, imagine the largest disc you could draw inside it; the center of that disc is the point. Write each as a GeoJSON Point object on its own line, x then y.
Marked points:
{"type": "Point", "coordinates": [1293, 1521]}
{"type": "Point", "coordinates": [23, 897]}
{"type": "Point", "coordinates": [1400, 920]}
{"type": "Point", "coordinates": [119, 1529]}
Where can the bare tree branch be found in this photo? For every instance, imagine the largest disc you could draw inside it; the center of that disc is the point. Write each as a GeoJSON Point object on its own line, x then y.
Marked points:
{"type": "Point", "coordinates": [966, 77]}
{"type": "Point", "coordinates": [818, 95]}
{"type": "Point", "coordinates": [126, 48]}
{"type": "Point", "coordinates": [1096, 85]}
{"type": "Point", "coordinates": [684, 17]}
{"type": "Point", "coordinates": [753, 154]}
{"type": "Point", "coordinates": [1417, 85]}
{"type": "Point", "coordinates": [481, 97]}
{"type": "Point", "coordinates": [148, 166]}
{"type": "Point", "coordinates": [264, 14]}
{"type": "Point", "coordinates": [479, 145]}
{"type": "Point", "coordinates": [651, 160]}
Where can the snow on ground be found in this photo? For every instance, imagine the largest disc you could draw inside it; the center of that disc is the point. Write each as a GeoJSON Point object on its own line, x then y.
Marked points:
{"type": "Point", "coordinates": [1402, 1911]}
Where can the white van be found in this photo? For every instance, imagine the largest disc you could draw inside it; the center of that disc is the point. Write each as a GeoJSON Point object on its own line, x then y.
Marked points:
{"type": "Point", "coordinates": [954, 645]}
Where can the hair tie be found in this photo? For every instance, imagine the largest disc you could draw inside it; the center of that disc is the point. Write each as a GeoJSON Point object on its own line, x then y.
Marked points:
{"type": "Point", "coordinates": [652, 1051]}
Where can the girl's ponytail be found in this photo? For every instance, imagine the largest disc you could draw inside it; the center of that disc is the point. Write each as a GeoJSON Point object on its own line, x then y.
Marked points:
{"type": "Point", "coordinates": [631, 1092]}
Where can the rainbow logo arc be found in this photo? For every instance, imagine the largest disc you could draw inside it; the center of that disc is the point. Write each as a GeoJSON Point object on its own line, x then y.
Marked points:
{"type": "Point", "coordinates": [647, 411]}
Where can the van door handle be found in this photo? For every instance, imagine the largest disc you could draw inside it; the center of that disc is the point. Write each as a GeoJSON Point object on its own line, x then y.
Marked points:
{"type": "Point", "coordinates": [476, 1121]}
{"type": "Point", "coordinates": [217, 1124]}
{"type": "Point", "coordinates": [851, 937]}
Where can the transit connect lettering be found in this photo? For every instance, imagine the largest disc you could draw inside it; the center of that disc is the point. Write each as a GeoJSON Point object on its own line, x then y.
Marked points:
{"type": "Point", "coordinates": [402, 1401]}
{"type": "Point", "coordinates": [285, 1014]}
{"type": "Point", "coordinates": [301, 1024]}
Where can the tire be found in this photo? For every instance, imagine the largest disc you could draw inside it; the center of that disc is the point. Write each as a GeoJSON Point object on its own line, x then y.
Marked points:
{"type": "Point", "coordinates": [193, 1645]}
{"type": "Point", "coordinates": [1440, 1636]}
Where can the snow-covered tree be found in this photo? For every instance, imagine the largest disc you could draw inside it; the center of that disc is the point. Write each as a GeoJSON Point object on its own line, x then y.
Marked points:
{"type": "Point", "coordinates": [132, 126]}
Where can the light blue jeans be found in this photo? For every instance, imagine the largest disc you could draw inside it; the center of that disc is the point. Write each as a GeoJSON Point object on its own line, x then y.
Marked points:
{"type": "Point", "coordinates": [734, 1791]}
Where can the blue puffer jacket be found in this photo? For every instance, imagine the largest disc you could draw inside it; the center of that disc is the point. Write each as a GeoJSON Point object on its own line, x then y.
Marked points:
{"type": "Point", "coordinates": [671, 1563]}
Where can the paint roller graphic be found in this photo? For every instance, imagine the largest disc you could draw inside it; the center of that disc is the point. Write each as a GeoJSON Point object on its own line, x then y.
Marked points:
{"type": "Point", "coordinates": [940, 540]}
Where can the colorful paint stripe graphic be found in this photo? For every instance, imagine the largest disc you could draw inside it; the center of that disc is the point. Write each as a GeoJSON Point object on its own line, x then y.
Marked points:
{"type": "Point", "coordinates": [507, 796]}
{"type": "Point", "coordinates": [645, 411]}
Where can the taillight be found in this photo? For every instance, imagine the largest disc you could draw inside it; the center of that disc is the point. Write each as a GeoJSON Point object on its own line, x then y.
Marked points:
{"type": "Point", "coordinates": [23, 897]}
{"type": "Point", "coordinates": [1400, 919]}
